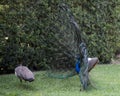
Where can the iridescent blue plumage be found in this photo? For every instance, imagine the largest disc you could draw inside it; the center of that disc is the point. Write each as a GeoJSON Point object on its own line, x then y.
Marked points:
{"type": "Point", "coordinates": [77, 67]}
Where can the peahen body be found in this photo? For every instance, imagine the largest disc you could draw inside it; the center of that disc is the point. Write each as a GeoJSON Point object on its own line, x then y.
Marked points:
{"type": "Point", "coordinates": [23, 73]}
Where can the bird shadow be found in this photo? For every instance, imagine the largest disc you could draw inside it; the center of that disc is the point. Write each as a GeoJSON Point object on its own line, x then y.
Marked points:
{"type": "Point", "coordinates": [26, 86]}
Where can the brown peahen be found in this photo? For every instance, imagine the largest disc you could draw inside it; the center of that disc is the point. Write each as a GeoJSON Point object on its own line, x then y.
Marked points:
{"type": "Point", "coordinates": [23, 73]}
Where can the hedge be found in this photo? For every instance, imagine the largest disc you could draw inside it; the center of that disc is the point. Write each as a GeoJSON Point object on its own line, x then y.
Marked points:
{"type": "Point", "coordinates": [27, 35]}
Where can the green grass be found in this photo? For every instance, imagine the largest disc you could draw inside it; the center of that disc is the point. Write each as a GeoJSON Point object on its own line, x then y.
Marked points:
{"type": "Point", "coordinates": [106, 79]}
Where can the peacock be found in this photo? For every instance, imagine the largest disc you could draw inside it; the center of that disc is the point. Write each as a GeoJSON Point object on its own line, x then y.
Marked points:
{"type": "Point", "coordinates": [91, 63]}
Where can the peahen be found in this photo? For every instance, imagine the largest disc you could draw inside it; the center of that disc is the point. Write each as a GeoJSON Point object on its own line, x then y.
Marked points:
{"type": "Point", "coordinates": [23, 73]}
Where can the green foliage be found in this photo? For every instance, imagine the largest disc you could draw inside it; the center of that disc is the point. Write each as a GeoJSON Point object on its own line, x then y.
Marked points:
{"type": "Point", "coordinates": [24, 24]}
{"type": "Point", "coordinates": [26, 35]}
{"type": "Point", "coordinates": [98, 22]}
{"type": "Point", "coordinates": [118, 28]}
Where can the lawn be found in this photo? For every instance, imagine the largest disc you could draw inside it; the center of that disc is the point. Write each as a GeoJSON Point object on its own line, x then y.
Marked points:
{"type": "Point", "coordinates": [105, 79]}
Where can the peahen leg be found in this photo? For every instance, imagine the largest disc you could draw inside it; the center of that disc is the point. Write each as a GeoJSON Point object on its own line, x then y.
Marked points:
{"type": "Point", "coordinates": [20, 80]}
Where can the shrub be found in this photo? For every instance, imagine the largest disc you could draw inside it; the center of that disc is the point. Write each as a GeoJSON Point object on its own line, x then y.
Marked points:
{"type": "Point", "coordinates": [27, 37]}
